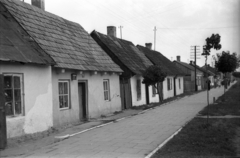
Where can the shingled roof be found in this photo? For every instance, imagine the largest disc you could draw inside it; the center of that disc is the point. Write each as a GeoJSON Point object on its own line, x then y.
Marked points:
{"type": "Point", "coordinates": [16, 45]}
{"type": "Point", "coordinates": [158, 59]}
{"type": "Point", "coordinates": [66, 42]}
{"type": "Point", "coordinates": [128, 54]}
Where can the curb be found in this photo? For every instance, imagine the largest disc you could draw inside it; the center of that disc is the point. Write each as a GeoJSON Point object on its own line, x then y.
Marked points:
{"type": "Point", "coordinates": [167, 140]}
{"type": "Point", "coordinates": [60, 138]}
{"type": "Point", "coordinates": [162, 144]}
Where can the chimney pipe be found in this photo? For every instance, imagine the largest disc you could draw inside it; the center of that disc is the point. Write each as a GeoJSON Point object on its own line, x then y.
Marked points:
{"type": "Point", "coordinates": [191, 62]}
{"type": "Point", "coordinates": [39, 3]}
{"type": "Point", "coordinates": [111, 31]}
{"type": "Point", "coordinates": [178, 58]}
{"type": "Point", "coordinates": [148, 45]}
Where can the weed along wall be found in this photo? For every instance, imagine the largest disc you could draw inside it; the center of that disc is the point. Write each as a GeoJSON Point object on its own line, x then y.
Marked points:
{"type": "Point", "coordinates": [28, 88]}
{"type": "Point", "coordinates": [89, 95]}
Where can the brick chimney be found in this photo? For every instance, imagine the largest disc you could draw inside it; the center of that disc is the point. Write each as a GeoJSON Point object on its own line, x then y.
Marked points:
{"type": "Point", "coordinates": [148, 45]}
{"type": "Point", "coordinates": [39, 3]}
{"type": "Point", "coordinates": [111, 31]}
{"type": "Point", "coordinates": [178, 58]}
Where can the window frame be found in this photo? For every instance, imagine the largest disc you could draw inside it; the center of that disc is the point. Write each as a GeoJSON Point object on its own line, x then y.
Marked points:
{"type": "Point", "coordinates": [69, 98]}
{"type": "Point", "coordinates": [107, 90]}
{"type": "Point", "coordinates": [22, 94]}
{"type": "Point", "coordinates": [138, 88]}
{"type": "Point", "coordinates": [169, 84]}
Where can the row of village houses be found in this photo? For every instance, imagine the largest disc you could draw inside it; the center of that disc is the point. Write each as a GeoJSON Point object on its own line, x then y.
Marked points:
{"type": "Point", "coordinates": [55, 73]}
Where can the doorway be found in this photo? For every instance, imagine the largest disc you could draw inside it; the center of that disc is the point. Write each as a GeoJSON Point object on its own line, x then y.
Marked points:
{"type": "Point", "coordinates": [82, 97]}
{"type": "Point", "coordinates": [126, 97]}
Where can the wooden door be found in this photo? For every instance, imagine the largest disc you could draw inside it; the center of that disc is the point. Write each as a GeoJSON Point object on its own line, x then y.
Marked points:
{"type": "Point", "coordinates": [82, 101]}
{"type": "Point", "coordinates": [3, 127]}
{"type": "Point", "coordinates": [126, 96]}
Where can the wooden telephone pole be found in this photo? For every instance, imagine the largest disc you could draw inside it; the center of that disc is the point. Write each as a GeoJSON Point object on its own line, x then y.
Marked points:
{"type": "Point", "coordinates": [196, 56]}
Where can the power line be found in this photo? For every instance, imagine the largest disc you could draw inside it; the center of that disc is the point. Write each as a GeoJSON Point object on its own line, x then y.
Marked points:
{"type": "Point", "coordinates": [198, 28]}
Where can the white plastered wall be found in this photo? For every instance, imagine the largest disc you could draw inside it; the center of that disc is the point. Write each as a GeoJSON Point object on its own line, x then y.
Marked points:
{"type": "Point", "coordinates": [96, 105]}
{"type": "Point", "coordinates": [37, 87]}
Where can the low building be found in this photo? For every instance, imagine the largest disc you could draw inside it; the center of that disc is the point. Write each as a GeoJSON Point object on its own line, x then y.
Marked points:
{"type": "Point", "coordinates": [173, 84]}
{"type": "Point", "coordinates": [54, 72]}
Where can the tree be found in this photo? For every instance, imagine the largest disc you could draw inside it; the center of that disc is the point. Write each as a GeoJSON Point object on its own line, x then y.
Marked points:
{"type": "Point", "coordinates": [212, 42]}
{"type": "Point", "coordinates": [226, 62]}
{"type": "Point", "coordinates": [155, 75]}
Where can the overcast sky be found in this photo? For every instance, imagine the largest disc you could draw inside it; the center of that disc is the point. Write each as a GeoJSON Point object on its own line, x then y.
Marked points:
{"type": "Point", "coordinates": [180, 23]}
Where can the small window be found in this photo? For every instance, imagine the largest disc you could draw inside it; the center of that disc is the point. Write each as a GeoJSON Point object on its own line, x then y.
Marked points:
{"type": "Point", "coordinates": [169, 83]}
{"type": "Point", "coordinates": [106, 90]}
{"type": "Point", "coordinates": [13, 91]}
{"type": "Point", "coordinates": [64, 94]}
{"type": "Point", "coordinates": [179, 81]}
{"type": "Point", "coordinates": [138, 89]}
{"type": "Point", "coordinates": [154, 92]}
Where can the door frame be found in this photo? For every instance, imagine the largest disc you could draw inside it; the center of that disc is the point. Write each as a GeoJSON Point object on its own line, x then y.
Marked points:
{"type": "Point", "coordinates": [124, 101]}
{"type": "Point", "coordinates": [86, 97]}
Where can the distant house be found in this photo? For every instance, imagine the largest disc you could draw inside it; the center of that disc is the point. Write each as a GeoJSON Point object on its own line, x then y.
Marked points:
{"type": "Point", "coordinates": [189, 78]}
{"type": "Point", "coordinates": [132, 62]}
{"type": "Point", "coordinates": [173, 84]}
{"type": "Point", "coordinates": [54, 72]}
{"type": "Point", "coordinates": [217, 76]}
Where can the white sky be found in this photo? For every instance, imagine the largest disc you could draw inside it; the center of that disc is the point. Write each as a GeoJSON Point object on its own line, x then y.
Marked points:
{"type": "Point", "coordinates": [180, 23]}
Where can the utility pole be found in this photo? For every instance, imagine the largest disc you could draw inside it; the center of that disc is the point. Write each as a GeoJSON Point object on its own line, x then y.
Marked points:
{"type": "Point", "coordinates": [196, 54]}
{"type": "Point", "coordinates": [121, 30]}
{"type": "Point", "coordinates": [155, 30]}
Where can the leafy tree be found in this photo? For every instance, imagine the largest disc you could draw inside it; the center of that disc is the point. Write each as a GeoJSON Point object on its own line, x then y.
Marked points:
{"type": "Point", "coordinates": [155, 75]}
{"type": "Point", "coordinates": [236, 74]}
{"type": "Point", "coordinates": [226, 62]}
{"type": "Point", "coordinates": [212, 42]}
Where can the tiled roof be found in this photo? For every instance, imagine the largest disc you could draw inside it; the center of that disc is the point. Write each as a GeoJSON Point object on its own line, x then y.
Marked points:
{"type": "Point", "coordinates": [16, 46]}
{"type": "Point", "coordinates": [158, 59]}
{"type": "Point", "coordinates": [125, 51]}
{"type": "Point", "coordinates": [66, 42]}
{"type": "Point", "coordinates": [185, 65]}
{"type": "Point", "coordinates": [201, 69]}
